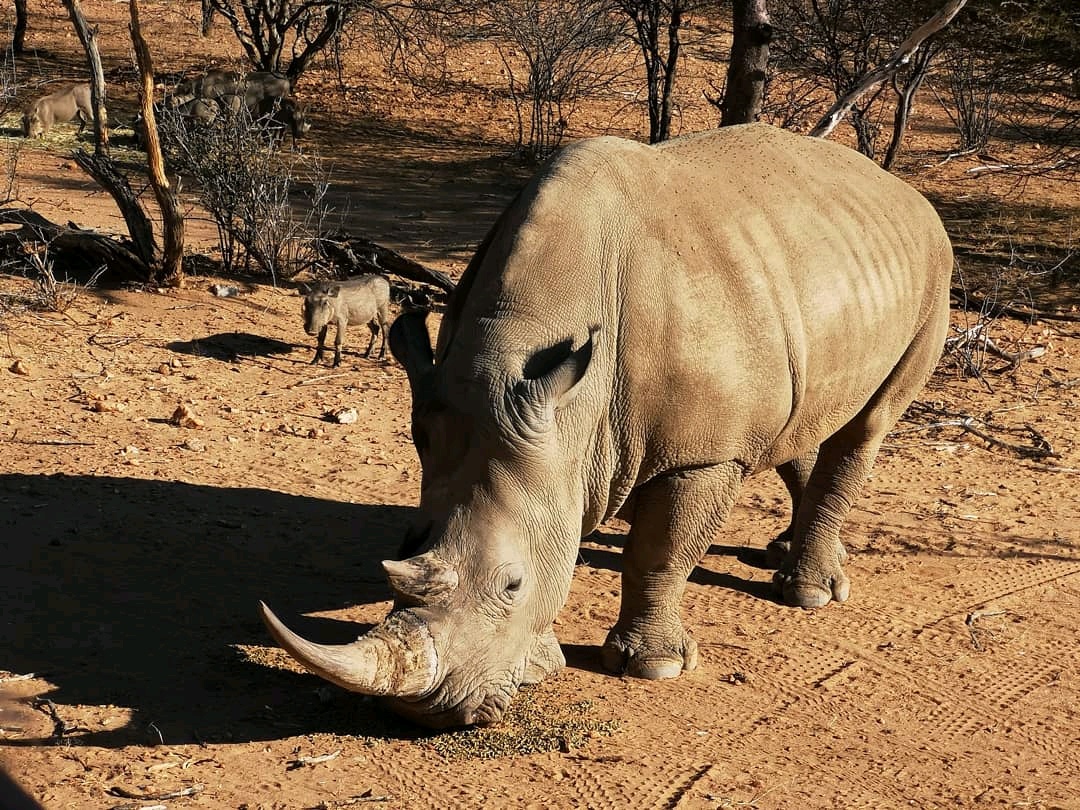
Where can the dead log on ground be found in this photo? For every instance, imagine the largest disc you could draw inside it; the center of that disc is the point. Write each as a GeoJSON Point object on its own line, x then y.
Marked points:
{"type": "Point", "coordinates": [75, 251]}
{"type": "Point", "coordinates": [102, 168]}
{"type": "Point", "coordinates": [355, 255]}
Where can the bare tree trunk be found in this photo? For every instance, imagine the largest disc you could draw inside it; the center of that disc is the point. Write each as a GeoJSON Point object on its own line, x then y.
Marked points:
{"type": "Point", "coordinates": [207, 17]}
{"type": "Point", "coordinates": [172, 221]}
{"type": "Point", "coordinates": [102, 169]}
{"type": "Point", "coordinates": [18, 37]}
{"type": "Point", "coordinates": [745, 88]}
{"type": "Point", "coordinates": [888, 68]}
{"type": "Point", "coordinates": [88, 38]}
{"type": "Point", "coordinates": [672, 63]}
{"type": "Point", "coordinates": [906, 95]}
{"type": "Point", "coordinates": [335, 20]}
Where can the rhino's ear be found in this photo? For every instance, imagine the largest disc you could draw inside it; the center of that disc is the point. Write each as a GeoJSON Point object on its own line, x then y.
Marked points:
{"type": "Point", "coordinates": [410, 343]}
{"type": "Point", "coordinates": [550, 379]}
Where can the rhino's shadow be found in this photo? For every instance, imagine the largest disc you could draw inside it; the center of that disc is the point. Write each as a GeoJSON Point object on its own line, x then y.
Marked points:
{"type": "Point", "coordinates": [753, 557]}
{"type": "Point", "coordinates": [135, 593]}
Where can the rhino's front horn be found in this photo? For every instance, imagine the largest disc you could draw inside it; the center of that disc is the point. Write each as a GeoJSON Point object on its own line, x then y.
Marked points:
{"type": "Point", "coordinates": [395, 658]}
{"type": "Point", "coordinates": [421, 580]}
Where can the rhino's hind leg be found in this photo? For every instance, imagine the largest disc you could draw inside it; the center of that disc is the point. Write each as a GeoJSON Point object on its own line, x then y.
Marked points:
{"type": "Point", "coordinates": [795, 475]}
{"type": "Point", "coordinates": [813, 572]}
{"type": "Point", "coordinates": [675, 519]}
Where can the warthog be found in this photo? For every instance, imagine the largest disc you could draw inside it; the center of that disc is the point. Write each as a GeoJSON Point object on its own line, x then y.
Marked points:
{"type": "Point", "coordinates": [642, 329]}
{"type": "Point", "coordinates": [56, 108]}
{"type": "Point", "coordinates": [262, 85]}
{"type": "Point", "coordinates": [284, 114]}
{"type": "Point", "coordinates": [213, 84]}
{"type": "Point", "coordinates": [363, 299]}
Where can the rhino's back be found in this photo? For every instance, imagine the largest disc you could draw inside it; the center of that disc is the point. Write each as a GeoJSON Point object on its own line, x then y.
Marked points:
{"type": "Point", "coordinates": [753, 289]}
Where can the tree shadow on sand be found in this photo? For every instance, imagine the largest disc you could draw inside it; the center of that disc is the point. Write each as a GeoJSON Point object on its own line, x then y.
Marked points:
{"type": "Point", "coordinates": [142, 594]}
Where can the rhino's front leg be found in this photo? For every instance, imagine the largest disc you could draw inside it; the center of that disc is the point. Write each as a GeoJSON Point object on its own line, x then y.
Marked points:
{"type": "Point", "coordinates": [675, 519]}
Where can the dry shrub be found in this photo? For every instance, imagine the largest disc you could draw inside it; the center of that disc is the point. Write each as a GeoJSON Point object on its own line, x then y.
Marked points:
{"type": "Point", "coordinates": [247, 184]}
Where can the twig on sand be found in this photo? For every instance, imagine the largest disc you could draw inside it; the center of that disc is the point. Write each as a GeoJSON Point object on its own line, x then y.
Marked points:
{"type": "Point", "coordinates": [973, 628]}
{"type": "Point", "coordinates": [29, 676]}
{"type": "Point", "coordinates": [124, 793]}
{"type": "Point", "coordinates": [367, 797]}
{"type": "Point", "coordinates": [320, 379]}
{"type": "Point", "coordinates": [1054, 468]}
{"type": "Point", "coordinates": [300, 762]}
{"type": "Point", "coordinates": [61, 727]}
{"type": "Point", "coordinates": [53, 442]}
{"type": "Point", "coordinates": [1038, 449]}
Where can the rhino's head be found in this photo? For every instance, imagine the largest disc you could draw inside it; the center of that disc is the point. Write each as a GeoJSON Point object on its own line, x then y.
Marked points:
{"type": "Point", "coordinates": [491, 553]}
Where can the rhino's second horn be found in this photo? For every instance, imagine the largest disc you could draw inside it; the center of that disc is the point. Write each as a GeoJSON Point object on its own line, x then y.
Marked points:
{"type": "Point", "coordinates": [396, 658]}
{"type": "Point", "coordinates": [421, 580]}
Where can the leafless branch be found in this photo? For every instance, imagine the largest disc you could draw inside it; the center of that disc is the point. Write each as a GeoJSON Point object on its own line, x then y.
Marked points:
{"type": "Point", "coordinates": [888, 68]}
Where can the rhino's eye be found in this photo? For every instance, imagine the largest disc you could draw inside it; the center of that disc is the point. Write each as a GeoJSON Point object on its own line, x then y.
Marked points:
{"type": "Point", "coordinates": [513, 586]}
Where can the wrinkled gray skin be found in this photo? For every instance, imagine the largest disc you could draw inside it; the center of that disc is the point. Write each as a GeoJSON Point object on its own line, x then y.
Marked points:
{"type": "Point", "coordinates": [363, 299]}
{"type": "Point", "coordinates": [284, 114]}
{"type": "Point", "coordinates": [263, 85]}
{"type": "Point", "coordinates": [643, 328]}
{"type": "Point", "coordinates": [213, 84]}
{"type": "Point", "coordinates": [58, 108]}
{"type": "Point", "coordinates": [223, 85]}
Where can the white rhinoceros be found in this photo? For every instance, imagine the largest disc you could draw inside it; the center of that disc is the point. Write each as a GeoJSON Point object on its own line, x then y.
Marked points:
{"type": "Point", "coordinates": [643, 328]}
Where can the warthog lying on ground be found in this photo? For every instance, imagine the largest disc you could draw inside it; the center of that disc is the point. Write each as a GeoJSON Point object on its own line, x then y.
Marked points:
{"type": "Point", "coordinates": [363, 299]}
{"type": "Point", "coordinates": [642, 329]}
{"type": "Point", "coordinates": [58, 108]}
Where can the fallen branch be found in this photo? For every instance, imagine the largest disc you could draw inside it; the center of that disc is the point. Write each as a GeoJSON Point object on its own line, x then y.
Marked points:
{"type": "Point", "coordinates": [61, 727]}
{"type": "Point", "coordinates": [1040, 447]}
{"type": "Point", "coordinates": [29, 676]}
{"type": "Point", "coordinates": [975, 631]}
{"type": "Point", "coordinates": [300, 762]}
{"type": "Point", "coordinates": [321, 378]}
{"type": "Point", "coordinates": [124, 793]}
{"type": "Point", "coordinates": [976, 339]}
{"type": "Point", "coordinates": [1054, 468]}
{"type": "Point", "coordinates": [70, 247]}
{"type": "Point", "coordinates": [359, 255]}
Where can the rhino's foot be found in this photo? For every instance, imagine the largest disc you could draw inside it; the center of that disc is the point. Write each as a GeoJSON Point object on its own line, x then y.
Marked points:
{"type": "Point", "coordinates": [544, 658]}
{"type": "Point", "coordinates": [813, 589]}
{"type": "Point", "coordinates": [653, 659]}
{"type": "Point", "coordinates": [776, 553]}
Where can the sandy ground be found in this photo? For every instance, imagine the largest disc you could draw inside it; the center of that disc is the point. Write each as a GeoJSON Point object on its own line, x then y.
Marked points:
{"type": "Point", "coordinates": [134, 551]}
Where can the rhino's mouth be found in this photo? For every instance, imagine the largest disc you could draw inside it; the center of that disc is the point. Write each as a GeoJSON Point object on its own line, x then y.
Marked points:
{"type": "Point", "coordinates": [443, 709]}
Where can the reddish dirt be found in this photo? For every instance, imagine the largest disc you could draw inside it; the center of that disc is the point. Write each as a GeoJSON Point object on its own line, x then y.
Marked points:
{"type": "Point", "coordinates": [135, 551]}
